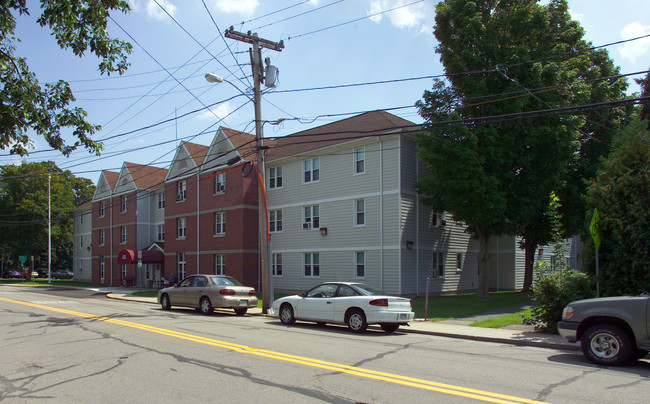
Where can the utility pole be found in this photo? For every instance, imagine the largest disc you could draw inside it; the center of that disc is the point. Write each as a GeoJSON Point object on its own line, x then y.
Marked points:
{"type": "Point", "coordinates": [258, 77]}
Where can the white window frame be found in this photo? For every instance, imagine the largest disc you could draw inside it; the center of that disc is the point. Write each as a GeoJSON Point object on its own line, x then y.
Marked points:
{"type": "Point", "coordinates": [275, 221]}
{"type": "Point", "coordinates": [311, 169]}
{"type": "Point", "coordinates": [161, 233]}
{"type": "Point", "coordinates": [123, 203]}
{"type": "Point", "coordinates": [81, 241]}
{"type": "Point", "coordinates": [181, 228]}
{"type": "Point", "coordinates": [102, 209]}
{"type": "Point", "coordinates": [359, 263]}
{"type": "Point", "coordinates": [161, 201]}
{"type": "Point", "coordinates": [438, 264]}
{"type": "Point", "coordinates": [102, 237]}
{"type": "Point", "coordinates": [359, 160]}
{"type": "Point", "coordinates": [358, 212]}
{"type": "Point", "coordinates": [124, 272]}
{"type": "Point", "coordinates": [180, 265]}
{"type": "Point", "coordinates": [181, 190]}
{"type": "Point", "coordinates": [220, 183]}
{"type": "Point", "coordinates": [275, 177]}
{"type": "Point", "coordinates": [219, 264]}
{"type": "Point", "coordinates": [219, 223]}
{"type": "Point", "coordinates": [459, 261]}
{"type": "Point", "coordinates": [102, 267]}
{"type": "Point", "coordinates": [311, 265]}
{"type": "Point", "coordinates": [123, 235]}
{"type": "Point", "coordinates": [311, 219]}
{"type": "Point", "coordinates": [276, 265]}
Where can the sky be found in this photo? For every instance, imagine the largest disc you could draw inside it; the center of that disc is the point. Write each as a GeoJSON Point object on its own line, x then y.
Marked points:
{"type": "Point", "coordinates": [340, 58]}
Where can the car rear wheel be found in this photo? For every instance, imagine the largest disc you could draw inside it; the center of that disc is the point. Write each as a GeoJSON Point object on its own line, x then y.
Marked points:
{"type": "Point", "coordinates": [241, 311]}
{"type": "Point", "coordinates": [286, 314]}
{"type": "Point", "coordinates": [164, 302]}
{"type": "Point", "coordinates": [205, 305]}
{"type": "Point", "coordinates": [389, 327]}
{"type": "Point", "coordinates": [606, 344]}
{"type": "Point", "coordinates": [357, 321]}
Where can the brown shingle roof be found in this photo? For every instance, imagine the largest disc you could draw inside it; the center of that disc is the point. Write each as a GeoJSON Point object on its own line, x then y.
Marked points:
{"type": "Point", "coordinates": [146, 177]}
{"type": "Point", "coordinates": [244, 142]}
{"type": "Point", "coordinates": [197, 151]}
{"type": "Point", "coordinates": [369, 124]}
{"type": "Point", "coordinates": [111, 178]}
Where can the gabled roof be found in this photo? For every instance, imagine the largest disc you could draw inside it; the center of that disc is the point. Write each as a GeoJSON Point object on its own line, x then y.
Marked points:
{"type": "Point", "coordinates": [244, 143]}
{"type": "Point", "coordinates": [228, 144]}
{"type": "Point", "coordinates": [196, 151]}
{"type": "Point", "coordinates": [105, 185]}
{"type": "Point", "coordinates": [188, 157]}
{"type": "Point", "coordinates": [369, 124]}
{"type": "Point", "coordinates": [146, 177]}
{"type": "Point", "coordinates": [111, 178]}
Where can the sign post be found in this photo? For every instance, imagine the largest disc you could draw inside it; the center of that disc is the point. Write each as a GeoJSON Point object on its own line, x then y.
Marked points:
{"type": "Point", "coordinates": [595, 235]}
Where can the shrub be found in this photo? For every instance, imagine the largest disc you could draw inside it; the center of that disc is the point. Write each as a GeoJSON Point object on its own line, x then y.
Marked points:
{"type": "Point", "coordinates": [554, 291]}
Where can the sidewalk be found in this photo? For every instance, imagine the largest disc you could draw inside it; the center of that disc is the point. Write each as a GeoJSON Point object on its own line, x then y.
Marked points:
{"type": "Point", "coordinates": [515, 335]}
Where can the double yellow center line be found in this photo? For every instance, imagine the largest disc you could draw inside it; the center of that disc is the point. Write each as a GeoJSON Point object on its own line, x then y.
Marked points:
{"type": "Point", "coordinates": [315, 363]}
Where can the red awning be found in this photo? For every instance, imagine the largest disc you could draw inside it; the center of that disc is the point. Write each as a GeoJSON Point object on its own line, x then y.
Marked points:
{"type": "Point", "coordinates": [148, 257]}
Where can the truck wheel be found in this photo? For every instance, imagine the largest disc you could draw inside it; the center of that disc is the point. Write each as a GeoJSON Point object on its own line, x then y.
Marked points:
{"type": "Point", "coordinates": [606, 344]}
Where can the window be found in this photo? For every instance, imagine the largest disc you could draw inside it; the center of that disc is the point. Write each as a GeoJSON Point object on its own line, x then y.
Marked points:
{"type": "Point", "coordinates": [359, 160]}
{"type": "Point", "coordinates": [161, 233]}
{"type": "Point", "coordinates": [180, 233]}
{"type": "Point", "coordinates": [181, 187]}
{"type": "Point", "coordinates": [459, 261]}
{"type": "Point", "coordinates": [311, 219]}
{"type": "Point", "coordinates": [437, 220]}
{"type": "Point", "coordinates": [219, 264]}
{"type": "Point", "coordinates": [312, 170]}
{"type": "Point", "coordinates": [220, 183]}
{"type": "Point", "coordinates": [124, 273]}
{"type": "Point", "coordinates": [360, 264]}
{"type": "Point", "coordinates": [438, 264]}
{"type": "Point", "coordinates": [275, 177]}
{"type": "Point", "coordinates": [180, 259]}
{"type": "Point", "coordinates": [360, 212]}
{"type": "Point", "coordinates": [312, 264]}
{"type": "Point", "coordinates": [276, 264]}
{"type": "Point", "coordinates": [275, 221]}
{"type": "Point", "coordinates": [81, 241]}
{"type": "Point", "coordinates": [101, 209]}
{"type": "Point", "coordinates": [122, 234]}
{"type": "Point", "coordinates": [102, 266]}
{"type": "Point", "coordinates": [220, 223]}
{"type": "Point", "coordinates": [123, 204]}
{"type": "Point", "coordinates": [101, 237]}
{"type": "Point", "coordinates": [161, 200]}
{"type": "Point", "coordinates": [81, 219]}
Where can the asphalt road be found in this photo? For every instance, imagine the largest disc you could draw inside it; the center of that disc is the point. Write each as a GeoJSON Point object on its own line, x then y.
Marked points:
{"type": "Point", "coordinates": [77, 346]}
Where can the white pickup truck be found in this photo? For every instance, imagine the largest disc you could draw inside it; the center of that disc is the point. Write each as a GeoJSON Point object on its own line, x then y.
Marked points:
{"type": "Point", "coordinates": [611, 330]}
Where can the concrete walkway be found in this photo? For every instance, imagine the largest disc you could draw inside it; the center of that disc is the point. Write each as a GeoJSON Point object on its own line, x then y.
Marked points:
{"type": "Point", "coordinates": [516, 335]}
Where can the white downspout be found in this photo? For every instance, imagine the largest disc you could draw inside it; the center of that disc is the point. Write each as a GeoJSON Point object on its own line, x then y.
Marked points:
{"type": "Point", "coordinates": [399, 214]}
{"type": "Point", "coordinates": [198, 219]}
{"type": "Point", "coordinates": [381, 214]}
{"type": "Point", "coordinates": [111, 232]}
{"type": "Point", "coordinates": [417, 230]}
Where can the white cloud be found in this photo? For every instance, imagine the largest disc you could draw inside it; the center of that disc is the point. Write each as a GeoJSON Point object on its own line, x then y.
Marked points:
{"type": "Point", "coordinates": [246, 7]}
{"type": "Point", "coordinates": [632, 50]}
{"type": "Point", "coordinates": [404, 17]}
{"type": "Point", "coordinates": [154, 11]}
{"type": "Point", "coordinates": [221, 111]}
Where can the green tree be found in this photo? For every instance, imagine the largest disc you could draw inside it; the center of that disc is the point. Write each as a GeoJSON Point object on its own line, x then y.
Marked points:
{"type": "Point", "coordinates": [27, 106]}
{"type": "Point", "coordinates": [24, 210]}
{"type": "Point", "coordinates": [621, 192]}
{"type": "Point", "coordinates": [504, 57]}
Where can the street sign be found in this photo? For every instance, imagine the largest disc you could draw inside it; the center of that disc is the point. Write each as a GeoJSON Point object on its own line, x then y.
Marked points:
{"type": "Point", "coordinates": [594, 228]}
{"type": "Point", "coordinates": [23, 259]}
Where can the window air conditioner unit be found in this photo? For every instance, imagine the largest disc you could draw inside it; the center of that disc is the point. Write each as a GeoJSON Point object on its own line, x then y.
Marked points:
{"type": "Point", "coordinates": [306, 225]}
{"type": "Point", "coordinates": [179, 197]}
{"type": "Point", "coordinates": [221, 188]}
{"type": "Point", "coordinates": [443, 223]}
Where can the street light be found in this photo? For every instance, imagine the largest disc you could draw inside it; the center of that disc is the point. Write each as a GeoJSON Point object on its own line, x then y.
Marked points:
{"type": "Point", "coordinates": [264, 239]}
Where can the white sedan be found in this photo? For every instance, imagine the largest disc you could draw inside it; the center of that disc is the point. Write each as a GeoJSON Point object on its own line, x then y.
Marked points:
{"type": "Point", "coordinates": [353, 304]}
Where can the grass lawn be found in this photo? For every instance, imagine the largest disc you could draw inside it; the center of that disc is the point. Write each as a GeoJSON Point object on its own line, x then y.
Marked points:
{"type": "Point", "coordinates": [458, 306]}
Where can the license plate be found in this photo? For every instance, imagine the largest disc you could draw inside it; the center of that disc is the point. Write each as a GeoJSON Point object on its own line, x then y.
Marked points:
{"type": "Point", "coordinates": [243, 302]}
{"type": "Point", "coordinates": [403, 316]}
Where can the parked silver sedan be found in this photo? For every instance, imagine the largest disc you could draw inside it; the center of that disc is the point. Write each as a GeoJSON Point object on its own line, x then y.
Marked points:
{"type": "Point", "coordinates": [207, 292]}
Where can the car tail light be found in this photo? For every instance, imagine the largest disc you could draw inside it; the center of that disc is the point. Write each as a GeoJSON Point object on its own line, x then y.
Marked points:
{"type": "Point", "coordinates": [252, 292]}
{"type": "Point", "coordinates": [226, 292]}
{"type": "Point", "coordinates": [379, 302]}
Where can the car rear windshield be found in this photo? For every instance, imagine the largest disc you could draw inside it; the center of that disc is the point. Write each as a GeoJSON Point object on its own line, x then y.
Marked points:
{"type": "Point", "coordinates": [225, 281]}
{"type": "Point", "coordinates": [368, 290]}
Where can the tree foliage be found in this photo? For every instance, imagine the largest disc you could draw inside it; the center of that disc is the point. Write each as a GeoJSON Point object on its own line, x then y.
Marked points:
{"type": "Point", "coordinates": [505, 57]}
{"type": "Point", "coordinates": [621, 192]}
{"type": "Point", "coordinates": [24, 211]}
{"type": "Point", "coordinates": [26, 105]}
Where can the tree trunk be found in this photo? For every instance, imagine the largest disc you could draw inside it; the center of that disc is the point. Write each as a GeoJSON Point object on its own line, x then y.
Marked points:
{"type": "Point", "coordinates": [483, 265]}
{"type": "Point", "coordinates": [530, 247]}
